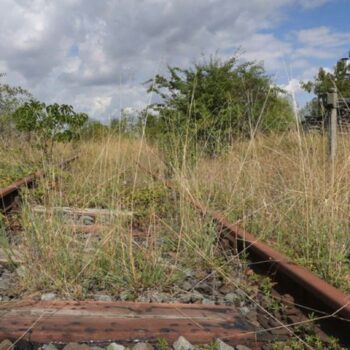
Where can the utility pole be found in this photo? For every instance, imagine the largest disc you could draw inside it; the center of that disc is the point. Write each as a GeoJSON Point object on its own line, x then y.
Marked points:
{"type": "Point", "coordinates": [332, 102]}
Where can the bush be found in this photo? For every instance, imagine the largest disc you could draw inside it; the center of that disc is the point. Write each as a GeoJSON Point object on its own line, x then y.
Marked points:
{"type": "Point", "coordinates": [213, 103]}
{"type": "Point", "coordinates": [49, 123]}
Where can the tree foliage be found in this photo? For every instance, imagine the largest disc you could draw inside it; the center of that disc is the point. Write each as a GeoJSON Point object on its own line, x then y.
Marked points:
{"type": "Point", "coordinates": [216, 101]}
{"type": "Point", "coordinates": [323, 83]}
{"type": "Point", "coordinates": [11, 97]}
{"type": "Point", "coordinates": [49, 123]}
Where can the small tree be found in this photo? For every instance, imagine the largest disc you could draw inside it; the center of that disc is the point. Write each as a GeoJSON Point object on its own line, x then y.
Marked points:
{"type": "Point", "coordinates": [215, 102]}
{"type": "Point", "coordinates": [323, 82]}
{"type": "Point", "coordinates": [11, 97]}
{"type": "Point", "coordinates": [49, 123]}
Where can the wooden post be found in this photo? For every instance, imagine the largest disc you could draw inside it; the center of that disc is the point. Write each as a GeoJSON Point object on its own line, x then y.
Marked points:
{"type": "Point", "coordinates": [332, 100]}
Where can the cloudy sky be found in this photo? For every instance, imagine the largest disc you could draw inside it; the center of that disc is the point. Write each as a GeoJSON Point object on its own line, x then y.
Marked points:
{"type": "Point", "coordinates": [95, 54]}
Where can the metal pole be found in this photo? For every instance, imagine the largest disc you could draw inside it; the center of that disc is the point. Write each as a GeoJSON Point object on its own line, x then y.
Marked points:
{"type": "Point", "coordinates": [332, 99]}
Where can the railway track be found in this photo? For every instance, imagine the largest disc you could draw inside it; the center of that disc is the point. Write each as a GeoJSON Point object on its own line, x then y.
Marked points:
{"type": "Point", "coordinates": [300, 291]}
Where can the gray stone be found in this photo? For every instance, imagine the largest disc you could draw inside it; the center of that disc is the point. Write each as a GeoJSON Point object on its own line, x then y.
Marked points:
{"type": "Point", "coordinates": [115, 346]}
{"type": "Point", "coordinates": [187, 285]}
{"type": "Point", "coordinates": [231, 298]}
{"type": "Point", "coordinates": [205, 288]}
{"type": "Point", "coordinates": [220, 345]}
{"type": "Point", "coordinates": [182, 344]}
{"type": "Point", "coordinates": [102, 297]}
{"type": "Point", "coordinates": [244, 310]}
{"type": "Point", "coordinates": [87, 220]}
{"type": "Point", "coordinates": [48, 297]}
{"type": "Point", "coordinates": [159, 297]}
{"type": "Point", "coordinates": [143, 298]}
{"type": "Point", "coordinates": [190, 297]}
{"type": "Point", "coordinates": [76, 346]}
{"type": "Point", "coordinates": [49, 347]}
{"type": "Point", "coordinates": [143, 346]}
{"type": "Point", "coordinates": [242, 347]}
{"type": "Point", "coordinates": [189, 273]}
{"type": "Point", "coordinates": [6, 345]}
{"type": "Point", "coordinates": [96, 348]}
{"type": "Point", "coordinates": [207, 301]}
{"type": "Point", "coordinates": [4, 284]}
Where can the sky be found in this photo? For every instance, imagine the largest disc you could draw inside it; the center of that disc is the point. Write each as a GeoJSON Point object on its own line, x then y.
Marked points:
{"type": "Point", "coordinates": [96, 54]}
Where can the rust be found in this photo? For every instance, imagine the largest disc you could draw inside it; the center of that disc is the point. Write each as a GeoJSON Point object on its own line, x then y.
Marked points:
{"type": "Point", "coordinates": [90, 321]}
{"type": "Point", "coordinates": [9, 194]}
{"type": "Point", "coordinates": [309, 290]}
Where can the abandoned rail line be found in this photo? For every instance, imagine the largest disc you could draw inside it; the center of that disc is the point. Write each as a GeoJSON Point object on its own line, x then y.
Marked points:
{"type": "Point", "coordinates": [100, 322]}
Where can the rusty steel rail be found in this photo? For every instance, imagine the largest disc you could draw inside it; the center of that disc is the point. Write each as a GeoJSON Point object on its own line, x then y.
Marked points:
{"type": "Point", "coordinates": [9, 194]}
{"type": "Point", "coordinates": [310, 291]}
{"type": "Point", "coordinates": [99, 322]}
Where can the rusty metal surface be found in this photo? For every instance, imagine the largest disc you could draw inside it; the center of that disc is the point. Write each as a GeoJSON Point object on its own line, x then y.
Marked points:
{"type": "Point", "coordinates": [309, 289]}
{"type": "Point", "coordinates": [69, 321]}
{"type": "Point", "coordinates": [9, 193]}
{"type": "Point", "coordinates": [338, 301]}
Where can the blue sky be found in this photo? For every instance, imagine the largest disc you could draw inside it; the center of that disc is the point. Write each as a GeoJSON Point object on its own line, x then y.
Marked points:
{"type": "Point", "coordinates": [96, 54]}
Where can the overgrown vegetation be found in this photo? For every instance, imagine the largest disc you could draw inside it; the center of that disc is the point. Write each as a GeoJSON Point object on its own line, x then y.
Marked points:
{"type": "Point", "coordinates": [224, 133]}
{"type": "Point", "coordinates": [214, 103]}
{"type": "Point", "coordinates": [323, 83]}
{"type": "Point", "coordinates": [48, 124]}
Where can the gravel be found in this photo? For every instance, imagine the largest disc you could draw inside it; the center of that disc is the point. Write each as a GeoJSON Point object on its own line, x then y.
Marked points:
{"type": "Point", "coordinates": [220, 345]}
{"type": "Point", "coordinates": [49, 347]}
{"type": "Point", "coordinates": [182, 344]}
{"type": "Point", "coordinates": [143, 346]}
{"type": "Point", "coordinates": [232, 298]}
{"type": "Point", "coordinates": [48, 297]}
{"type": "Point", "coordinates": [102, 297]}
{"type": "Point", "coordinates": [115, 346]}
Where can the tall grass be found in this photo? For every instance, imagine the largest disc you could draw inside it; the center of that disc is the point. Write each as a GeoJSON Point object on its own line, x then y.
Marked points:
{"type": "Point", "coordinates": [284, 190]}
{"type": "Point", "coordinates": [151, 249]}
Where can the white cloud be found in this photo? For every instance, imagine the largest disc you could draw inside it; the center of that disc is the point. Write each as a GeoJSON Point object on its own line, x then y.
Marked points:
{"type": "Point", "coordinates": [95, 54]}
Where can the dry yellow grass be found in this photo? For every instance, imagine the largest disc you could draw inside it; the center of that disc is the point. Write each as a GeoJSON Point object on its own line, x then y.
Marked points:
{"type": "Point", "coordinates": [284, 190]}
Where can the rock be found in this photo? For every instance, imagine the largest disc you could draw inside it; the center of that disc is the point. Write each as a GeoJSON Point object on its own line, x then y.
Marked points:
{"type": "Point", "coordinates": [244, 310]}
{"type": "Point", "coordinates": [48, 297]}
{"type": "Point", "coordinates": [231, 298]}
{"type": "Point", "coordinates": [189, 273]}
{"type": "Point", "coordinates": [115, 346]}
{"type": "Point", "coordinates": [191, 297]}
{"type": "Point", "coordinates": [220, 345]}
{"type": "Point", "coordinates": [49, 347]}
{"type": "Point", "coordinates": [76, 346]}
{"type": "Point", "coordinates": [143, 346]}
{"type": "Point", "coordinates": [225, 289]}
{"type": "Point", "coordinates": [87, 220]}
{"type": "Point", "coordinates": [156, 297]}
{"type": "Point", "coordinates": [6, 345]}
{"type": "Point", "coordinates": [96, 348]}
{"type": "Point", "coordinates": [182, 344]}
{"type": "Point", "coordinates": [242, 347]}
{"type": "Point", "coordinates": [102, 297]}
{"type": "Point", "coordinates": [187, 286]}
{"type": "Point", "coordinates": [204, 287]}
{"type": "Point", "coordinates": [4, 284]}
{"type": "Point", "coordinates": [207, 301]}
